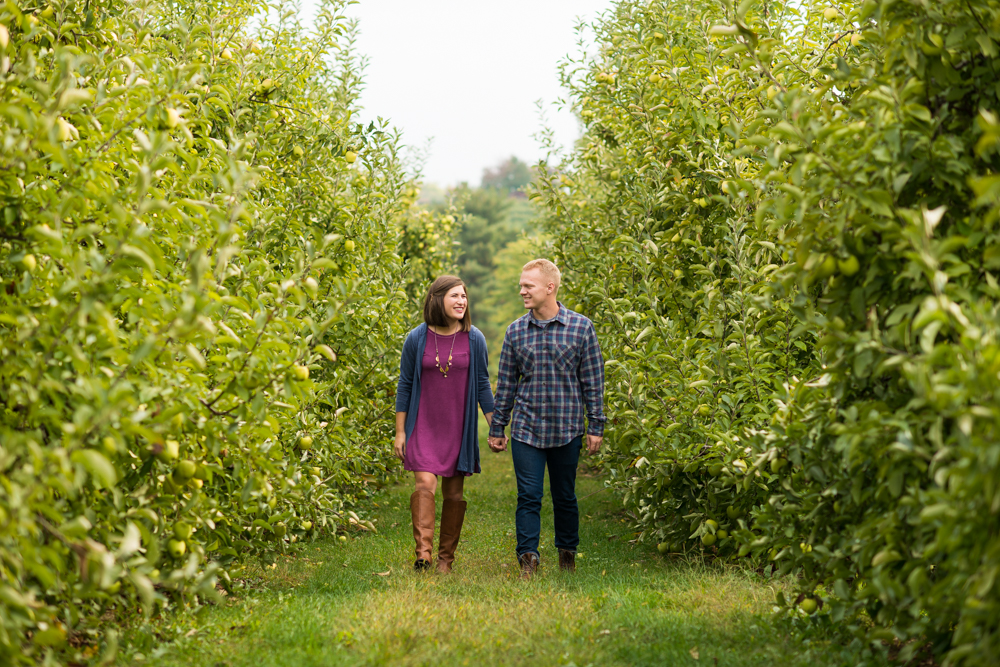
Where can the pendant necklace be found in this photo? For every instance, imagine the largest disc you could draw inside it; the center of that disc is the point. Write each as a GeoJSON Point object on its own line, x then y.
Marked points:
{"type": "Point", "coordinates": [437, 355]}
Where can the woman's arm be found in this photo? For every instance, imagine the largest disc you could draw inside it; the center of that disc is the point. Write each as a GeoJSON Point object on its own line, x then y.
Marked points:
{"type": "Point", "coordinates": [484, 391]}
{"type": "Point", "coordinates": [404, 388]}
{"type": "Point", "coordinates": [400, 445]}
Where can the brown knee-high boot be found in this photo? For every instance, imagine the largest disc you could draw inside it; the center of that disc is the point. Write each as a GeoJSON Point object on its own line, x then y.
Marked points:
{"type": "Point", "coordinates": [422, 514]}
{"type": "Point", "coordinates": [452, 517]}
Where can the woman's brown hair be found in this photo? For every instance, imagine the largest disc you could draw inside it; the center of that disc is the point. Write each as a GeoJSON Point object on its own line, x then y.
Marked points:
{"type": "Point", "coordinates": [434, 303]}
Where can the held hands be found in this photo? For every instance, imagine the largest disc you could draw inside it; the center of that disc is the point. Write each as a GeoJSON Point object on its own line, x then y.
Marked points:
{"type": "Point", "coordinates": [497, 444]}
{"type": "Point", "coordinates": [400, 446]}
{"type": "Point", "coordinates": [594, 443]}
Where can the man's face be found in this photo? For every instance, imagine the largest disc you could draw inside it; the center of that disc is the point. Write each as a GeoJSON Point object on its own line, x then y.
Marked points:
{"type": "Point", "coordinates": [535, 289]}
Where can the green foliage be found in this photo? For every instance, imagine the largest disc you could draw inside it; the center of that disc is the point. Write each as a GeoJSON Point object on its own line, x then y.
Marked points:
{"type": "Point", "coordinates": [202, 302]}
{"type": "Point", "coordinates": [671, 271]}
{"type": "Point", "coordinates": [801, 205]}
{"type": "Point", "coordinates": [509, 176]}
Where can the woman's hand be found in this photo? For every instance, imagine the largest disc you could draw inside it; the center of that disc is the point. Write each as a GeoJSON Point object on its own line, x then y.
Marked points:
{"type": "Point", "coordinates": [400, 445]}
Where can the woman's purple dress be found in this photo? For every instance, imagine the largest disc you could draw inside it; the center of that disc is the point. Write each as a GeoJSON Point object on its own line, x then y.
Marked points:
{"type": "Point", "coordinates": [437, 436]}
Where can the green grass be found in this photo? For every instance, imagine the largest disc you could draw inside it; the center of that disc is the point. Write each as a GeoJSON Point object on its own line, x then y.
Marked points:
{"type": "Point", "coordinates": [359, 602]}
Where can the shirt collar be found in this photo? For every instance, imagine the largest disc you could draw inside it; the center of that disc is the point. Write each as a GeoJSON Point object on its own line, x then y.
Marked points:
{"type": "Point", "coordinates": [561, 317]}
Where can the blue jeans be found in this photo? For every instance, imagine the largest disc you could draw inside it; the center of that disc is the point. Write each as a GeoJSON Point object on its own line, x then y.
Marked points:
{"type": "Point", "coordinates": [529, 468]}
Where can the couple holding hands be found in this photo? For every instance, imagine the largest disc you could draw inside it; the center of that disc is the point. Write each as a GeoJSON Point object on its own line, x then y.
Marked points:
{"type": "Point", "coordinates": [551, 371]}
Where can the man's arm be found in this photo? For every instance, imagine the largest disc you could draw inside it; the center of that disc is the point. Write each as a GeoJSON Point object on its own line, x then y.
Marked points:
{"type": "Point", "coordinates": [507, 376]}
{"type": "Point", "coordinates": [591, 375]}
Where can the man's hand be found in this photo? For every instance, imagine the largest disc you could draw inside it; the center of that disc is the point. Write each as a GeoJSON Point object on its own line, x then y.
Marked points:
{"type": "Point", "coordinates": [400, 446]}
{"type": "Point", "coordinates": [497, 444]}
{"type": "Point", "coordinates": [594, 443]}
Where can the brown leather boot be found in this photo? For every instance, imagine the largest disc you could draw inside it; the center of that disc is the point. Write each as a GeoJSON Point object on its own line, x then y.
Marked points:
{"type": "Point", "coordinates": [422, 515]}
{"type": "Point", "coordinates": [452, 517]}
{"type": "Point", "coordinates": [529, 565]}
{"type": "Point", "coordinates": [567, 560]}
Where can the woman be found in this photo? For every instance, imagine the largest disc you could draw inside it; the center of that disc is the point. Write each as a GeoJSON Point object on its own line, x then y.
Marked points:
{"type": "Point", "coordinates": [442, 376]}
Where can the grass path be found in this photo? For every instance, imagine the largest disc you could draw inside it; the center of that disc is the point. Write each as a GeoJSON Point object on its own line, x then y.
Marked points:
{"type": "Point", "coordinates": [359, 603]}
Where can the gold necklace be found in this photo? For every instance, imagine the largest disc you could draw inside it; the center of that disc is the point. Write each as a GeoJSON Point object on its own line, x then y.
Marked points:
{"type": "Point", "coordinates": [437, 355]}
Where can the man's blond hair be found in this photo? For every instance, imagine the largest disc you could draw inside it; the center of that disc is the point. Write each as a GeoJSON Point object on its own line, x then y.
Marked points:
{"type": "Point", "coordinates": [547, 269]}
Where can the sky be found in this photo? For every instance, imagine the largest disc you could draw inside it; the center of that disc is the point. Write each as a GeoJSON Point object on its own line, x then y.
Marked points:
{"type": "Point", "coordinates": [466, 74]}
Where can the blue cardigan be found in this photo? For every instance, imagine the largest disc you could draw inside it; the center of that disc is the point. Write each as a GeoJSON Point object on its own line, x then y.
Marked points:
{"type": "Point", "coordinates": [408, 391]}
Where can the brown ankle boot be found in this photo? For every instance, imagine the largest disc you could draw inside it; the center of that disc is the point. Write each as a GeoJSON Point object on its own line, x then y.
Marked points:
{"type": "Point", "coordinates": [422, 515]}
{"type": "Point", "coordinates": [567, 560]}
{"type": "Point", "coordinates": [529, 565]}
{"type": "Point", "coordinates": [452, 517]}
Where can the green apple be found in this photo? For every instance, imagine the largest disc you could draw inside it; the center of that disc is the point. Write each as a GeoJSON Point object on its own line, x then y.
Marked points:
{"type": "Point", "coordinates": [177, 548]}
{"type": "Point", "coordinates": [722, 534]}
{"type": "Point", "coordinates": [170, 450]}
{"type": "Point", "coordinates": [65, 130]}
{"type": "Point", "coordinates": [708, 539]}
{"type": "Point", "coordinates": [349, 245]}
{"type": "Point", "coordinates": [830, 13]}
{"type": "Point", "coordinates": [350, 157]}
{"type": "Point", "coordinates": [183, 530]}
{"type": "Point", "coordinates": [173, 118]}
{"type": "Point", "coordinates": [826, 267]}
{"type": "Point", "coordinates": [280, 529]}
{"type": "Point", "coordinates": [305, 443]}
{"type": "Point", "coordinates": [307, 526]}
{"type": "Point", "coordinates": [712, 524]}
{"type": "Point", "coordinates": [300, 372]}
{"type": "Point", "coordinates": [185, 470]}
{"type": "Point", "coordinates": [311, 286]}
{"type": "Point", "coordinates": [808, 605]}
{"type": "Point", "coordinates": [849, 266]}
{"type": "Point", "coordinates": [29, 263]}
{"type": "Point", "coordinates": [663, 547]}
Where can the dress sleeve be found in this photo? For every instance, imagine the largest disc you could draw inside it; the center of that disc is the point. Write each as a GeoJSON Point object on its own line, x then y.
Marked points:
{"type": "Point", "coordinates": [405, 385]}
{"type": "Point", "coordinates": [484, 392]}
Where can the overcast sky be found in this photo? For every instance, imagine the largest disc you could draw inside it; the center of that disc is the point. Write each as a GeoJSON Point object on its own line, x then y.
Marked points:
{"type": "Point", "coordinates": [467, 74]}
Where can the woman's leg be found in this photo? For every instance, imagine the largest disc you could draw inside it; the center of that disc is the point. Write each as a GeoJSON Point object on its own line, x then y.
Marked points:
{"type": "Point", "coordinates": [422, 514]}
{"type": "Point", "coordinates": [452, 518]}
{"type": "Point", "coordinates": [452, 487]}
{"type": "Point", "coordinates": [425, 481]}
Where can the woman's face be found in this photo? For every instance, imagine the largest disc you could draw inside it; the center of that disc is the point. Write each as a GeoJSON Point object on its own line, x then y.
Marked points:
{"type": "Point", "coordinates": [456, 303]}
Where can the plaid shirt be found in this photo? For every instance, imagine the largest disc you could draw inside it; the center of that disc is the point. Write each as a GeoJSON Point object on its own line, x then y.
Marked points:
{"type": "Point", "coordinates": [547, 374]}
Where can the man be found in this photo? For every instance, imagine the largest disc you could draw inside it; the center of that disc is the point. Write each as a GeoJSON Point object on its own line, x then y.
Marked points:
{"type": "Point", "coordinates": [551, 370]}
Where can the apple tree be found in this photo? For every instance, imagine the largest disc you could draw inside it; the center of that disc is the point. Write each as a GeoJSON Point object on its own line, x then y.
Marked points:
{"type": "Point", "coordinates": [203, 296]}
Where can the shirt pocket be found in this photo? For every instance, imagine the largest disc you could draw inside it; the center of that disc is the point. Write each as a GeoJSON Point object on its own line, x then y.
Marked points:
{"type": "Point", "coordinates": [525, 355]}
{"type": "Point", "coordinates": [566, 357]}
